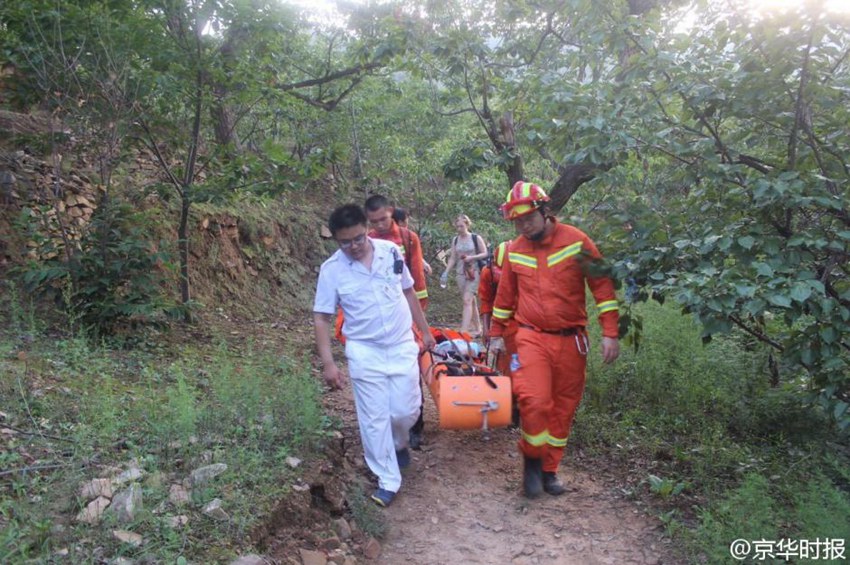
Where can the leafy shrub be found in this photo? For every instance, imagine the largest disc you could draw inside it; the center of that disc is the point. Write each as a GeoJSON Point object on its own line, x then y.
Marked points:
{"type": "Point", "coordinates": [115, 276]}
{"type": "Point", "coordinates": [674, 373]}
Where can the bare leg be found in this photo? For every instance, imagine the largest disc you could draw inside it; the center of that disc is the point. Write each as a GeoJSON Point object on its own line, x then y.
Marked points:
{"type": "Point", "coordinates": [476, 317]}
{"type": "Point", "coordinates": [470, 317]}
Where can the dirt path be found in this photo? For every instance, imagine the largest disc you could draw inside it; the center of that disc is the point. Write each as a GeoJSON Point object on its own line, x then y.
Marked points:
{"type": "Point", "coordinates": [461, 503]}
{"type": "Point", "coordinates": [461, 500]}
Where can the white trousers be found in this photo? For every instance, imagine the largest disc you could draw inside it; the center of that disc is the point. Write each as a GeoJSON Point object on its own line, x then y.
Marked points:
{"type": "Point", "coordinates": [387, 396]}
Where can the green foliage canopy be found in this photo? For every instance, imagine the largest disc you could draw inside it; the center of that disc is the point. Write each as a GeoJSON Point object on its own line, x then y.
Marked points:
{"type": "Point", "coordinates": [733, 196]}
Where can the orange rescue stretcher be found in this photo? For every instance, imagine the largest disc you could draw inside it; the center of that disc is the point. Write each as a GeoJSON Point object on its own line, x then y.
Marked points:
{"type": "Point", "coordinates": [468, 393]}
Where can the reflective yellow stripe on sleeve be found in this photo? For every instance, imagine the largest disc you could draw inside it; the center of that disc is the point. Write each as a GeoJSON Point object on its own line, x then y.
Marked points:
{"type": "Point", "coordinates": [501, 314]}
{"type": "Point", "coordinates": [607, 306]}
{"type": "Point", "coordinates": [421, 294]}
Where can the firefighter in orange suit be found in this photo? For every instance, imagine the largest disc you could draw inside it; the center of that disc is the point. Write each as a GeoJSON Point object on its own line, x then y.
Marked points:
{"type": "Point", "coordinates": [379, 211]}
{"type": "Point", "coordinates": [487, 287]}
{"type": "Point", "coordinates": [543, 289]}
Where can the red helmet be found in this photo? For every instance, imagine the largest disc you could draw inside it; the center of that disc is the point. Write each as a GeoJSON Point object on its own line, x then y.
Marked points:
{"type": "Point", "coordinates": [524, 198]}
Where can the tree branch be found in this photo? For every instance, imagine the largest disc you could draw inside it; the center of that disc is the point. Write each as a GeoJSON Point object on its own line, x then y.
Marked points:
{"type": "Point", "coordinates": [756, 334]}
{"type": "Point", "coordinates": [329, 77]}
{"type": "Point", "coordinates": [570, 179]}
{"type": "Point", "coordinates": [754, 163]}
{"type": "Point", "coordinates": [35, 468]}
{"type": "Point", "coordinates": [798, 111]}
{"type": "Point", "coordinates": [478, 114]}
{"type": "Point", "coordinates": [665, 151]}
{"type": "Point", "coordinates": [327, 105]}
{"type": "Point", "coordinates": [20, 431]}
{"type": "Point", "coordinates": [151, 144]}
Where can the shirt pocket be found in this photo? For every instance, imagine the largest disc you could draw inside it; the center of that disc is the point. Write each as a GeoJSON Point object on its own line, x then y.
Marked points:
{"type": "Point", "coordinates": [349, 290]}
{"type": "Point", "coordinates": [524, 271]}
{"type": "Point", "coordinates": [566, 268]}
{"type": "Point", "coordinates": [392, 286]}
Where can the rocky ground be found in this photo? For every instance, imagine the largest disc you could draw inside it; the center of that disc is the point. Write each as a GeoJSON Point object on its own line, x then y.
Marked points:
{"type": "Point", "coordinates": [461, 503]}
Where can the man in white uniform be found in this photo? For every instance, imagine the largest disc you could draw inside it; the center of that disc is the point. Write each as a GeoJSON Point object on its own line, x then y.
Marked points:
{"type": "Point", "coordinates": [368, 279]}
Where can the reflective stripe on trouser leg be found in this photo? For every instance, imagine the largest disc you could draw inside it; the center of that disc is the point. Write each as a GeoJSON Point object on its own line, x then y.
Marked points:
{"type": "Point", "coordinates": [387, 397]}
{"type": "Point", "coordinates": [532, 384]}
{"type": "Point", "coordinates": [569, 361]}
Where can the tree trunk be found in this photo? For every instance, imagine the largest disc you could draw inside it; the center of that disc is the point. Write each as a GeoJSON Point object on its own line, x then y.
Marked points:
{"type": "Point", "coordinates": [572, 177]}
{"type": "Point", "coordinates": [183, 250]}
{"type": "Point", "coordinates": [507, 144]}
{"type": "Point", "coordinates": [224, 124]}
{"type": "Point", "coordinates": [515, 171]}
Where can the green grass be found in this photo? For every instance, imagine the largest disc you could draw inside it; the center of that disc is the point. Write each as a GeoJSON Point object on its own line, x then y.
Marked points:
{"type": "Point", "coordinates": [699, 426]}
{"type": "Point", "coordinates": [365, 513]}
{"type": "Point", "coordinates": [86, 407]}
{"type": "Point", "coordinates": [698, 429]}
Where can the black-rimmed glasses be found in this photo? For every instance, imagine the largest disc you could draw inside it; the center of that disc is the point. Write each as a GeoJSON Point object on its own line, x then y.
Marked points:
{"type": "Point", "coordinates": [347, 243]}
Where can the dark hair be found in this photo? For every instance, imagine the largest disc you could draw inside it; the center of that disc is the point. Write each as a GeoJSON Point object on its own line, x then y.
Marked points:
{"type": "Point", "coordinates": [399, 215]}
{"type": "Point", "coordinates": [346, 216]}
{"type": "Point", "coordinates": [376, 202]}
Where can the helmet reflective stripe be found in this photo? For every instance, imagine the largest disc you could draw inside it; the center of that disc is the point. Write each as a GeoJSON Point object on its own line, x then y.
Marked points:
{"type": "Point", "coordinates": [521, 190]}
{"type": "Point", "coordinates": [523, 198]}
{"type": "Point", "coordinates": [521, 210]}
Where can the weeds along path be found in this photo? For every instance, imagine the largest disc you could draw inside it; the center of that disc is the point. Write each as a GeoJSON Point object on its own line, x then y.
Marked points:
{"type": "Point", "coordinates": [461, 501]}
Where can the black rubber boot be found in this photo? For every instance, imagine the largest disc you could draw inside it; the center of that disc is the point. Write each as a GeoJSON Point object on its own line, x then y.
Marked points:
{"type": "Point", "coordinates": [552, 484]}
{"type": "Point", "coordinates": [415, 440]}
{"type": "Point", "coordinates": [514, 416]}
{"type": "Point", "coordinates": [532, 477]}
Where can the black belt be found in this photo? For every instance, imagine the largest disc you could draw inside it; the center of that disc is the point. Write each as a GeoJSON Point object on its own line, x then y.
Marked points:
{"type": "Point", "coordinates": [566, 331]}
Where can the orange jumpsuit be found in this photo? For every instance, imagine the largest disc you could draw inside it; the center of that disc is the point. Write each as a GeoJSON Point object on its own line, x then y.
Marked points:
{"type": "Point", "coordinates": [487, 286]}
{"type": "Point", "coordinates": [543, 288]}
{"type": "Point", "coordinates": [411, 251]}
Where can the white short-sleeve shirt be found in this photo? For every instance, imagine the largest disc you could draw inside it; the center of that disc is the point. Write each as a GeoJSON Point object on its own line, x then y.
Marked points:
{"type": "Point", "coordinates": [374, 304]}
